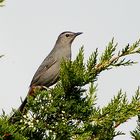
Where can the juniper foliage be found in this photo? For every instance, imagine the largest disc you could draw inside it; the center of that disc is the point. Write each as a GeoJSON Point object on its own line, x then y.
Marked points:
{"type": "Point", "coordinates": [1, 3]}
{"type": "Point", "coordinates": [69, 109]}
{"type": "Point", "coordinates": [136, 133]}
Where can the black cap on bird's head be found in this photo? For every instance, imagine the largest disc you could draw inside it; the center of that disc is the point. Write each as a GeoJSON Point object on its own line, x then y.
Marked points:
{"type": "Point", "coordinates": [68, 36]}
{"type": "Point", "coordinates": [70, 33]}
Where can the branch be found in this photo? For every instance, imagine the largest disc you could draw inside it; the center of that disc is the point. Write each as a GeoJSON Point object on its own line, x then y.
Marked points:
{"type": "Point", "coordinates": [114, 61]}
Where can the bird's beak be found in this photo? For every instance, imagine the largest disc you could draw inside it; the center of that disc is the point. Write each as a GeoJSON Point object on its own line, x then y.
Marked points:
{"type": "Point", "coordinates": [78, 33]}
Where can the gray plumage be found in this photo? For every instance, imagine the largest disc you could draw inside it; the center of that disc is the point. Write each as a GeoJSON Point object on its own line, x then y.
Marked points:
{"type": "Point", "coordinates": [48, 72]}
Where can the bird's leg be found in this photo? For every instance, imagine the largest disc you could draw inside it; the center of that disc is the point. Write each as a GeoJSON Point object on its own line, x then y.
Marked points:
{"type": "Point", "coordinates": [44, 87]}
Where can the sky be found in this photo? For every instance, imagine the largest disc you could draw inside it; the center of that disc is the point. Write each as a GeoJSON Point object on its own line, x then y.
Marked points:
{"type": "Point", "coordinates": [29, 29]}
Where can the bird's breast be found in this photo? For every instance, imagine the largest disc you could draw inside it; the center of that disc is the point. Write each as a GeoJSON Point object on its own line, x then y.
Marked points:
{"type": "Point", "coordinates": [64, 53]}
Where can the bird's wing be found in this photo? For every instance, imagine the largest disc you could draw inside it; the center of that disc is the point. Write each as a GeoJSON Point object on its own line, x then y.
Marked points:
{"type": "Point", "coordinates": [45, 65]}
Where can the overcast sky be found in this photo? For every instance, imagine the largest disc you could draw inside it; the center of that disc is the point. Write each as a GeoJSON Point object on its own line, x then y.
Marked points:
{"type": "Point", "coordinates": [29, 29]}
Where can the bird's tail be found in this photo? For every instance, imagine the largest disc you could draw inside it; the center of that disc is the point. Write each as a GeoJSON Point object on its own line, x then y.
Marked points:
{"type": "Point", "coordinates": [21, 109]}
{"type": "Point", "coordinates": [14, 118]}
{"type": "Point", "coordinates": [22, 106]}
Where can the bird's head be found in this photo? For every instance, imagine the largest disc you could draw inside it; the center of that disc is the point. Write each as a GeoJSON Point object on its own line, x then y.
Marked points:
{"type": "Point", "coordinates": [67, 37]}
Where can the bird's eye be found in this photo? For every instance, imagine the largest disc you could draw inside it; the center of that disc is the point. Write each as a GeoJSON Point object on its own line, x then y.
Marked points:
{"type": "Point", "coordinates": [67, 35]}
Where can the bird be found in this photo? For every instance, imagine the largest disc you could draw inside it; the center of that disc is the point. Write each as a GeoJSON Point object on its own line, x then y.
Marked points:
{"type": "Point", "coordinates": [48, 72]}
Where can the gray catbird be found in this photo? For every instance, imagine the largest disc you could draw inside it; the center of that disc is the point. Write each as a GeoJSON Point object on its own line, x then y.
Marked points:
{"type": "Point", "coordinates": [48, 72]}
